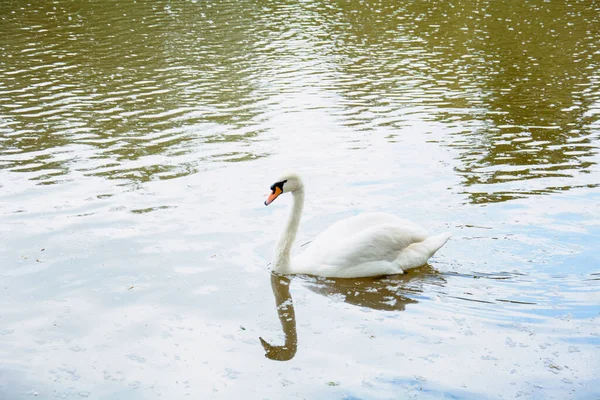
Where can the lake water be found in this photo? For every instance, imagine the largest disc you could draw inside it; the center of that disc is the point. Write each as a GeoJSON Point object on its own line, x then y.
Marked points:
{"type": "Point", "coordinates": [138, 141]}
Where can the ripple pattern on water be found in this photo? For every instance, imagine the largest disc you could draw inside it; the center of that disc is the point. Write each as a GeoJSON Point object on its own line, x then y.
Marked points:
{"type": "Point", "coordinates": [153, 91]}
{"type": "Point", "coordinates": [137, 139]}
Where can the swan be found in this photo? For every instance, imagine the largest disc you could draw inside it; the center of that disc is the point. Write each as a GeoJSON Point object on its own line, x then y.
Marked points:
{"type": "Point", "coordinates": [368, 244]}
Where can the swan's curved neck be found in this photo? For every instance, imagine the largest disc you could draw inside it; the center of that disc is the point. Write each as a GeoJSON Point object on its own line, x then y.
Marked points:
{"type": "Point", "coordinates": [281, 259]}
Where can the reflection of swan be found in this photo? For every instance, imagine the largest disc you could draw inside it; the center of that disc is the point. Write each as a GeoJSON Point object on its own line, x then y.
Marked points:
{"type": "Point", "coordinates": [391, 293]}
{"type": "Point", "coordinates": [369, 244]}
{"type": "Point", "coordinates": [285, 310]}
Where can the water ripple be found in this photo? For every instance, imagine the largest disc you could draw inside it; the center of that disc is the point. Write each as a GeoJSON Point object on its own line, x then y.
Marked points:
{"type": "Point", "coordinates": [147, 79]}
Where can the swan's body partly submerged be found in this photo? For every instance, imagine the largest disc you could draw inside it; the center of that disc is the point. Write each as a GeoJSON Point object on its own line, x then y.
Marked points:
{"type": "Point", "coordinates": [369, 244]}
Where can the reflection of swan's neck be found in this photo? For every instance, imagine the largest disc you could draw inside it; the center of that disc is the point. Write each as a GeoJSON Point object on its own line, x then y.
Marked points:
{"type": "Point", "coordinates": [287, 317]}
{"type": "Point", "coordinates": [281, 258]}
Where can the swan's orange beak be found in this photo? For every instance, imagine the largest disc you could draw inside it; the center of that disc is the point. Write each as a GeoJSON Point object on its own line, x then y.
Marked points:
{"type": "Point", "coordinates": [276, 192]}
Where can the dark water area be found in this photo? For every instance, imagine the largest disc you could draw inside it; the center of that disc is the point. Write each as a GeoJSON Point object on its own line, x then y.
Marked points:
{"type": "Point", "coordinates": [138, 141]}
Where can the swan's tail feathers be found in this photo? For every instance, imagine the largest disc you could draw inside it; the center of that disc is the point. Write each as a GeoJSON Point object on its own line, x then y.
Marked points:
{"type": "Point", "coordinates": [434, 243]}
{"type": "Point", "coordinates": [418, 253]}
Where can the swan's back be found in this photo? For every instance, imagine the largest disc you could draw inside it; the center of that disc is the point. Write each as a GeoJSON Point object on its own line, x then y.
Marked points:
{"type": "Point", "coordinates": [344, 228]}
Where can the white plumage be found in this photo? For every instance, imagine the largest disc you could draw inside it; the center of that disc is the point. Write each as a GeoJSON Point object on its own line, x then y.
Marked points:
{"type": "Point", "coordinates": [369, 244]}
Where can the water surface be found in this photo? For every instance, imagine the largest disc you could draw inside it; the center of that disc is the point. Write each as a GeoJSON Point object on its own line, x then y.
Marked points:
{"type": "Point", "coordinates": [137, 142]}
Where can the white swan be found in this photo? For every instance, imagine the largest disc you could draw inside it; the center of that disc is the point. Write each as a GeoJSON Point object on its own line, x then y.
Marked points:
{"type": "Point", "coordinates": [369, 244]}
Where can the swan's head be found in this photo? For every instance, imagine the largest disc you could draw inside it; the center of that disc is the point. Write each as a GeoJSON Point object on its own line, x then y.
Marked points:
{"type": "Point", "coordinates": [289, 182]}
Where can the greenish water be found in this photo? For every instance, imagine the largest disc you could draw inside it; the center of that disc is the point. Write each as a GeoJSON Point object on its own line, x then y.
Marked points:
{"type": "Point", "coordinates": [137, 143]}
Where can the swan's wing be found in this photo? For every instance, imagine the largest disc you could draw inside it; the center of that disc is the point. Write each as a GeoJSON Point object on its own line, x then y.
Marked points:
{"type": "Point", "coordinates": [379, 242]}
{"type": "Point", "coordinates": [347, 227]}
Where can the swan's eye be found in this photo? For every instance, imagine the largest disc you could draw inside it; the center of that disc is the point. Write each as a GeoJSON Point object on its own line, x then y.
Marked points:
{"type": "Point", "coordinates": [278, 185]}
